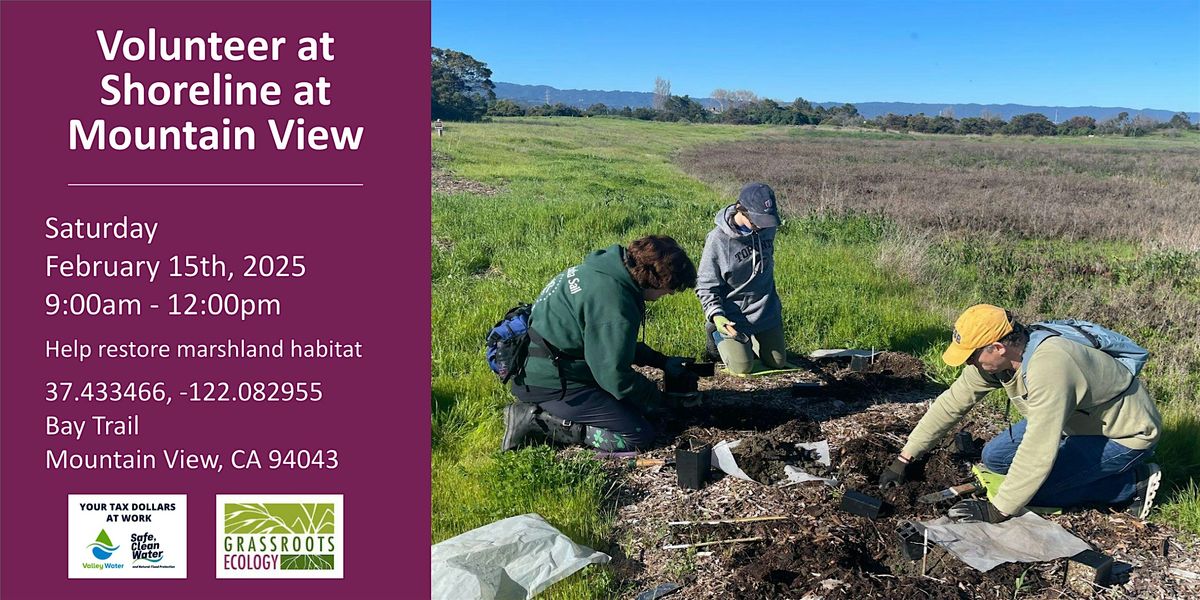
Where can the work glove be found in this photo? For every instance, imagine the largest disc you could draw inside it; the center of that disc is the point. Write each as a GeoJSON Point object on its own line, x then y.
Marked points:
{"type": "Point", "coordinates": [724, 326]}
{"type": "Point", "coordinates": [658, 406]}
{"type": "Point", "coordinates": [894, 475]}
{"type": "Point", "coordinates": [976, 511]}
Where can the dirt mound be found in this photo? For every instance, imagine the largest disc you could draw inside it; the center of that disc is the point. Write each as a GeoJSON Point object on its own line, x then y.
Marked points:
{"type": "Point", "coordinates": [862, 459]}
{"type": "Point", "coordinates": [898, 365]}
{"type": "Point", "coordinates": [888, 373]}
{"type": "Point", "coordinates": [713, 422]}
{"type": "Point", "coordinates": [763, 459]}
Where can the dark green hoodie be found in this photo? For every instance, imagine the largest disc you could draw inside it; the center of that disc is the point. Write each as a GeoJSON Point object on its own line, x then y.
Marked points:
{"type": "Point", "coordinates": [593, 311]}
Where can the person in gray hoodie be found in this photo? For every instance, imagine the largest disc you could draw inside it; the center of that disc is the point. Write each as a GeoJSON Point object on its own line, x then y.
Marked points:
{"type": "Point", "coordinates": [735, 282]}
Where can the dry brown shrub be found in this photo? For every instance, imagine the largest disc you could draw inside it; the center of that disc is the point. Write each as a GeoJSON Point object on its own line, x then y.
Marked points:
{"type": "Point", "coordinates": [906, 251]}
{"type": "Point", "coordinates": [1035, 191]}
{"type": "Point", "coordinates": [966, 204]}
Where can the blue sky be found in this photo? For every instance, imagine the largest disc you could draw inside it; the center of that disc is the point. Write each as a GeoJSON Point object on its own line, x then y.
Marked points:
{"type": "Point", "coordinates": [1052, 52]}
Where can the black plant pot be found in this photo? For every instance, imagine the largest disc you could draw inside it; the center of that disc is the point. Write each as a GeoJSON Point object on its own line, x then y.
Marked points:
{"type": "Point", "coordinates": [685, 384]}
{"type": "Point", "coordinates": [693, 460]}
{"type": "Point", "coordinates": [857, 503]}
{"type": "Point", "coordinates": [966, 446]}
{"type": "Point", "coordinates": [912, 539]}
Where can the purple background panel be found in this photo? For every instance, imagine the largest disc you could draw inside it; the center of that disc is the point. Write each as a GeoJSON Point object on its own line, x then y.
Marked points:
{"type": "Point", "coordinates": [368, 272]}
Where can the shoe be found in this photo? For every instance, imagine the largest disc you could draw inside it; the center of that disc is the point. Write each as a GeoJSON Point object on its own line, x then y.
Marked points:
{"type": "Point", "coordinates": [520, 425]}
{"type": "Point", "coordinates": [1148, 479]}
{"type": "Point", "coordinates": [561, 431]}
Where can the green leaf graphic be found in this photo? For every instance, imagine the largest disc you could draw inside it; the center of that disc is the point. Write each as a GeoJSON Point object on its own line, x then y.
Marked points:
{"type": "Point", "coordinates": [279, 518]}
{"type": "Point", "coordinates": [306, 562]}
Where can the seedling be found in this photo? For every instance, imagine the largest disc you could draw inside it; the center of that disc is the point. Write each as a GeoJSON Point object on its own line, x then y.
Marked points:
{"type": "Point", "coordinates": [1020, 584]}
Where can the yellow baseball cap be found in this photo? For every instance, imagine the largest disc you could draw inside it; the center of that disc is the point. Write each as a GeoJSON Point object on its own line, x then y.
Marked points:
{"type": "Point", "coordinates": [977, 327]}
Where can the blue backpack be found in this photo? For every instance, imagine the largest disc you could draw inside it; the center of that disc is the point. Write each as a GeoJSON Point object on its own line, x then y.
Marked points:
{"type": "Point", "coordinates": [1121, 348]}
{"type": "Point", "coordinates": [507, 343]}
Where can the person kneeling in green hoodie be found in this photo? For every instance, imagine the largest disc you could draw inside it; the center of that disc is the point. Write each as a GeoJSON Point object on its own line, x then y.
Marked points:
{"type": "Point", "coordinates": [736, 284]}
{"type": "Point", "coordinates": [579, 385]}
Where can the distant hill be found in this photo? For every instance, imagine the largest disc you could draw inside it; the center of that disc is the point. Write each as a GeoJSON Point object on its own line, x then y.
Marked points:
{"type": "Point", "coordinates": [1008, 111]}
{"type": "Point", "coordinates": [539, 94]}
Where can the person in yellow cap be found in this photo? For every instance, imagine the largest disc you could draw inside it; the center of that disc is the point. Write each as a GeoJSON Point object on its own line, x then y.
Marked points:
{"type": "Point", "coordinates": [1089, 422]}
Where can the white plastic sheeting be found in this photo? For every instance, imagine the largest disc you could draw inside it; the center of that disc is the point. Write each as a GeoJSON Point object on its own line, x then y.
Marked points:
{"type": "Point", "coordinates": [1027, 538]}
{"type": "Point", "coordinates": [722, 458]}
{"type": "Point", "coordinates": [511, 559]}
{"type": "Point", "coordinates": [844, 353]}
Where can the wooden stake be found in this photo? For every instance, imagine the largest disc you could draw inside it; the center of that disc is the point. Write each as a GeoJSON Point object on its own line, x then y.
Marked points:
{"type": "Point", "coordinates": [720, 521]}
{"type": "Point", "coordinates": [924, 552]}
{"type": "Point", "coordinates": [718, 542]}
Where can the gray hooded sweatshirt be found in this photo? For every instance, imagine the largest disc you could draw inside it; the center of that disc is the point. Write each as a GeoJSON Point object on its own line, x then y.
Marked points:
{"type": "Point", "coordinates": [736, 276]}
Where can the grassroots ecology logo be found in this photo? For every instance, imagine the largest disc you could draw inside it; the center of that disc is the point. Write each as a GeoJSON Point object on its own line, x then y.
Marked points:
{"type": "Point", "coordinates": [279, 536]}
{"type": "Point", "coordinates": [103, 547]}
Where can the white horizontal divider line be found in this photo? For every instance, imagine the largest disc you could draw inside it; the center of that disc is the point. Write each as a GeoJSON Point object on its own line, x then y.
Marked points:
{"type": "Point", "coordinates": [215, 185]}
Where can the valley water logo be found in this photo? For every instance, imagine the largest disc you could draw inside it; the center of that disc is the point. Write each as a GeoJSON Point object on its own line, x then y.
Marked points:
{"type": "Point", "coordinates": [141, 536]}
{"type": "Point", "coordinates": [279, 536]}
{"type": "Point", "coordinates": [103, 549]}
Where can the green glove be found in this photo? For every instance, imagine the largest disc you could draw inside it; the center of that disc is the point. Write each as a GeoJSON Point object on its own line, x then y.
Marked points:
{"type": "Point", "coordinates": [724, 326]}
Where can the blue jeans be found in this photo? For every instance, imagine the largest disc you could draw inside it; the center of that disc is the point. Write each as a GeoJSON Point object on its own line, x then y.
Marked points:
{"type": "Point", "coordinates": [1089, 469]}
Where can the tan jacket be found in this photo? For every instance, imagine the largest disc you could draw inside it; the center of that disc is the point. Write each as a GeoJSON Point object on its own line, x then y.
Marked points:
{"type": "Point", "coordinates": [1072, 389]}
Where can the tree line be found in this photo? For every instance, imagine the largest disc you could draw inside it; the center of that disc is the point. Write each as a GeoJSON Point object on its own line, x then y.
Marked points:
{"type": "Point", "coordinates": [462, 90]}
{"type": "Point", "coordinates": [1029, 124]}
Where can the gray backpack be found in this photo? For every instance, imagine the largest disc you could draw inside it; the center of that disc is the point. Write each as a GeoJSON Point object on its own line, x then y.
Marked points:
{"type": "Point", "coordinates": [1121, 348]}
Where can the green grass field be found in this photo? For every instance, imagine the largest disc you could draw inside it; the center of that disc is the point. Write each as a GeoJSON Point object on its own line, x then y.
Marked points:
{"type": "Point", "coordinates": [565, 186]}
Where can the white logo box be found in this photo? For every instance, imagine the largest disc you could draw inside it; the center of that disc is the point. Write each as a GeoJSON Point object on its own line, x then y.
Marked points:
{"type": "Point", "coordinates": [147, 534]}
{"type": "Point", "coordinates": [257, 528]}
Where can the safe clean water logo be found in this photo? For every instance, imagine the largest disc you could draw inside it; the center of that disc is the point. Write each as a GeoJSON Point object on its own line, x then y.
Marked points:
{"type": "Point", "coordinates": [279, 536]}
{"type": "Point", "coordinates": [127, 536]}
{"type": "Point", "coordinates": [146, 547]}
{"type": "Point", "coordinates": [103, 547]}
